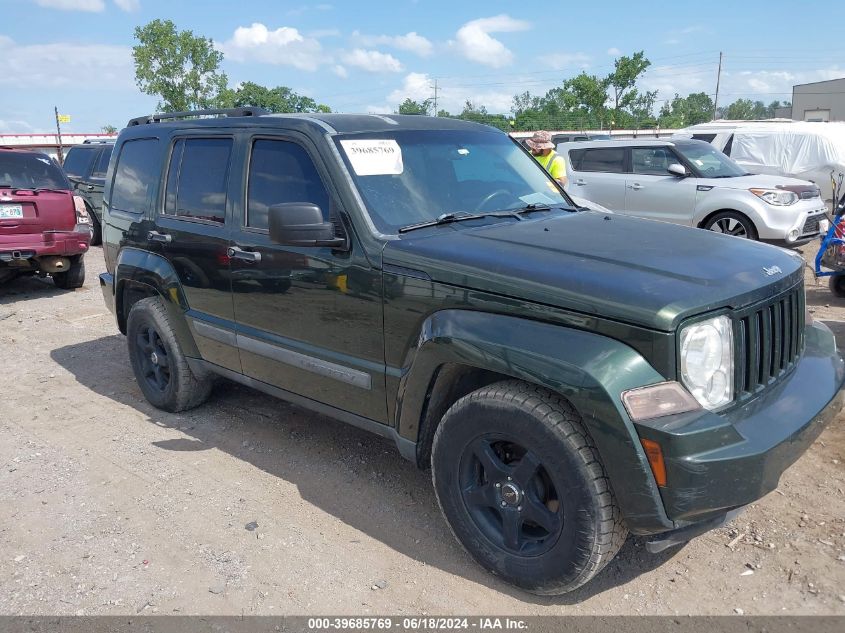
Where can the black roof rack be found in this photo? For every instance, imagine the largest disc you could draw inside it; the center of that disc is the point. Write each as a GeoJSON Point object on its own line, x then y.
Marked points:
{"type": "Point", "coordinates": [161, 116]}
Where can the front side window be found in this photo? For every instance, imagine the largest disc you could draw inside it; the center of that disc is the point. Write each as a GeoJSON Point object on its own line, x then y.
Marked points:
{"type": "Point", "coordinates": [197, 179]}
{"type": "Point", "coordinates": [135, 175]}
{"type": "Point", "coordinates": [279, 172]}
{"type": "Point", "coordinates": [78, 161]}
{"type": "Point", "coordinates": [708, 162]}
{"type": "Point", "coordinates": [407, 177]}
{"type": "Point", "coordinates": [652, 160]}
{"type": "Point", "coordinates": [102, 165]}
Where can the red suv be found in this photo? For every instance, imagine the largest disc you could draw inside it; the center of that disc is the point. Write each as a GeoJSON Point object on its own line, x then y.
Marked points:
{"type": "Point", "coordinates": [44, 228]}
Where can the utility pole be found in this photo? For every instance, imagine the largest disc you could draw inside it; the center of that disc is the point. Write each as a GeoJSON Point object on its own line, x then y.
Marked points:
{"type": "Point", "coordinates": [718, 78]}
{"type": "Point", "coordinates": [435, 96]}
{"type": "Point", "coordinates": [59, 136]}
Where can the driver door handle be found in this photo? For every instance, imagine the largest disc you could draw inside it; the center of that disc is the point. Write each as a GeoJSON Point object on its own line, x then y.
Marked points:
{"type": "Point", "coordinates": [155, 236]}
{"type": "Point", "coordinates": [248, 256]}
{"type": "Point", "coordinates": [580, 181]}
{"type": "Point", "coordinates": [636, 186]}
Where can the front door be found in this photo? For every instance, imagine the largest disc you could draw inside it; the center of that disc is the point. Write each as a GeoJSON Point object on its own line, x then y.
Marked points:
{"type": "Point", "coordinates": [309, 319]}
{"type": "Point", "coordinates": [654, 193]}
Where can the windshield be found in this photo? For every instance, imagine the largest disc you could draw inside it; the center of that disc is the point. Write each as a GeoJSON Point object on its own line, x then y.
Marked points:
{"type": "Point", "coordinates": [708, 161]}
{"type": "Point", "coordinates": [21, 170]}
{"type": "Point", "coordinates": [413, 176]}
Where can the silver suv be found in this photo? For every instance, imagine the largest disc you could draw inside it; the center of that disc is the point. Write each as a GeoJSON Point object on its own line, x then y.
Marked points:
{"type": "Point", "coordinates": [690, 182]}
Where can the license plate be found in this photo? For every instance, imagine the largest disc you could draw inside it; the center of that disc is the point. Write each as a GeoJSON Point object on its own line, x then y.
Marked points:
{"type": "Point", "coordinates": [11, 211]}
{"type": "Point", "coordinates": [824, 226]}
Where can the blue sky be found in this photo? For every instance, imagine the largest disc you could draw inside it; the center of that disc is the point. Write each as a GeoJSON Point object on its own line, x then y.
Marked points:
{"type": "Point", "coordinates": [369, 56]}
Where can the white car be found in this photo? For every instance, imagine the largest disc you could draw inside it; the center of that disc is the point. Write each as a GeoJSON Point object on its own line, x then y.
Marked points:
{"type": "Point", "coordinates": [690, 182]}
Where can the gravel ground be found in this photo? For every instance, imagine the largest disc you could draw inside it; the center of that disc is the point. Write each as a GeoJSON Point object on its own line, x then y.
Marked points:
{"type": "Point", "coordinates": [249, 505]}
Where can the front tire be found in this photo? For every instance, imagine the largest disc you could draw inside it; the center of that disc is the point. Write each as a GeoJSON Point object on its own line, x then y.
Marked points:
{"type": "Point", "coordinates": [160, 366]}
{"type": "Point", "coordinates": [732, 223]}
{"type": "Point", "coordinates": [523, 488]}
{"type": "Point", "coordinates": [73, 277]}
{"type": "Point", "coordinates": [96, 229]}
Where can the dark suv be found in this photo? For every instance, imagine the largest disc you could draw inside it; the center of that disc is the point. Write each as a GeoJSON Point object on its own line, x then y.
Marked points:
{"type": "Point", "coordinates": [569, 376]}
{"type": "Point", "coordinates": [85, 166]}
{"type": "Point", "coordinates": [44, 228]}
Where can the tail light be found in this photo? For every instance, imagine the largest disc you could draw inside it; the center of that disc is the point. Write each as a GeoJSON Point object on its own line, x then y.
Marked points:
{"type": "Point", "coordinates": [81, 210]}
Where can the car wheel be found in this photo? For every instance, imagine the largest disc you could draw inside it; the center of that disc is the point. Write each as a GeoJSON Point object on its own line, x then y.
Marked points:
{"type": "Point", "coordinates": [523, 488]}
{"type": "Point", "coordinates": [732, 223]}
{"type": "Point", "coordinates": [837, 285]}
{"type": "Point", "coordinates": [96, 229]}
{"type": "Point", "coordinates": [158, 362]}
{"type": "Point", "coordinates": [73, 277]}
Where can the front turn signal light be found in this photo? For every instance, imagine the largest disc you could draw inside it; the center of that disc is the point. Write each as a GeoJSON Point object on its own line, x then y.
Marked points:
{"type": "Point", "coordinates": [655, 459]}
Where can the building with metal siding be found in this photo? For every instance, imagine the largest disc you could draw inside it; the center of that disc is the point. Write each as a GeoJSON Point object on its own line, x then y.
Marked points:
{"type": "Point", "coordinates": [819, 101]}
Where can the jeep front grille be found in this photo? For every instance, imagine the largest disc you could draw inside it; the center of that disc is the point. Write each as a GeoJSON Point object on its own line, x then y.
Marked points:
{"type": "Point", "coordinates": [770, 339]}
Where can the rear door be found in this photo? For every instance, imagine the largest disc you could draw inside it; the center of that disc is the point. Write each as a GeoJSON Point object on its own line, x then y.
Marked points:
{"type": "Point", "coordinates": [192, 231]}
{"type": "Point", "coordinates": [598, 174]}
{"type": "Point", "coordinates": [96, 180]}
{"type": "Point", "coordinates": [654, 193]}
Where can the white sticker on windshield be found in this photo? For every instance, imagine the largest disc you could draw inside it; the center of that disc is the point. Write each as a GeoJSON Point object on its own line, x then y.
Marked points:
{"type": "Point", "coordinates": [374, 157]}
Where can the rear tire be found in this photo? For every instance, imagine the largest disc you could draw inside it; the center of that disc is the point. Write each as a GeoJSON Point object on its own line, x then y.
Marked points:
{"type": "Point", "coordinates": [96, 229]}
{"type": "Point", "coordinates": [74, 277]}
{"type": "Point", "coordinates": [160, 366]}
{"type": "Point", "coordinates": [732, 223]}
{"type": "Point", "coordinates": [523, 489]}
{"type": "Point", "coordinates": [837, 285]}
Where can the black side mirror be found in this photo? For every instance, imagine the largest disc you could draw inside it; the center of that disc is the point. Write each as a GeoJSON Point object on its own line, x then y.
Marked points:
{"type": "Point", "coordinates": [301, 224]}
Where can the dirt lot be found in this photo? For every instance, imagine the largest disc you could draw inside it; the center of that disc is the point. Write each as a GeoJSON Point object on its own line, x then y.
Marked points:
{"type": "Point", "coordinates": [113, 507]}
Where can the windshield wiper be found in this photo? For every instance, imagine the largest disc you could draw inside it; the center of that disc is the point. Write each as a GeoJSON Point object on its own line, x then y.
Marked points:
{"type": "Point", "coordinates": [458, 216]}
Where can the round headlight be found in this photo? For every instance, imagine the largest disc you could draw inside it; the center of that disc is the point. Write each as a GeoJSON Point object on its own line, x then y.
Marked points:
{"type": "Point", "coordinates": [707, 361]}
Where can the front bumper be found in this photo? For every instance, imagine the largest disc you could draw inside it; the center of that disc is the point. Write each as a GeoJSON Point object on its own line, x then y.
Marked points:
{"type": "Point", "coordinates": [716, 462]}
{"type": "Point", "coordinates": [107, 288]}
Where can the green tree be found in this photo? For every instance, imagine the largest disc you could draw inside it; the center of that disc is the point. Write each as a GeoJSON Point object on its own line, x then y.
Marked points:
{"type": "Point", "coordinates": [109, 129]}
{"type": "Point", "coordinates": [278, 99]}
{"type": "Point", "coordinates": [479, 114]}
{"type": "Point", "coordinates": [741, 109]}
{"type": "Point", "coordinates": [623, 79]}
{"type": "Point", "coordinates": [409, 106]}
{"type": "Point", "coordinates": [177, 66]}
{"type": "Point", "coordinates": [683, 111]}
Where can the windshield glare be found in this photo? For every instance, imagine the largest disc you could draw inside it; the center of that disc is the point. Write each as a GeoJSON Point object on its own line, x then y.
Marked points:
{"type": "Point", "coordinates": [708, 161]}
{"type": "Point", "coordinates": [21, 170]}
{"type": "Point", "coordinates": [413, 176]}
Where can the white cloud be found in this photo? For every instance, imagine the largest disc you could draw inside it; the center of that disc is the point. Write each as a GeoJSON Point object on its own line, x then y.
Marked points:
{"type": "Point", "coordinates": [475, 43]}
{"type": "Point", "coordinates": [94, 6]}
{"type": "Point", "coordinates": [411, 42]}
{"type": "Point", "coordinates": [13, 126]}
{"type": "Point", "coordinates": [451, 97]}
{"type": "Point", "coordinates": [128, 5]}
{"type": "Point", "coordinates": [340, 71]}
{"type": "Point", "coordinates": [613, 51]}
{"type": "Point", "coordinates": [284, 46]}
{"type": "Point", "coordinates": [373, 61]}
{"type": "Point", "coordinates": [562, 60]}
{"type": "Point", "coordinates": [61, 64]}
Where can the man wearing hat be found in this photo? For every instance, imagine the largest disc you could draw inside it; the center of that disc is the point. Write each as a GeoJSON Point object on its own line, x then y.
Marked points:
{"type": "Point", "coordinates": [543, 150]}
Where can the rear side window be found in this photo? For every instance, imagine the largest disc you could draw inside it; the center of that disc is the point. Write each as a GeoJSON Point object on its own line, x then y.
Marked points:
{"type": "Point", "coordinates": [102, 163]}
{"type": "Point", "coordinates": [606, 159]}
{"type": "Point", "coordinates": [78, 161]}
{"type": "Point", "coordinates": [198, 178]}
{"type": "Point", "coordinates": [281, 171]}
{"type": "Point", "coordinates": [135, 176]}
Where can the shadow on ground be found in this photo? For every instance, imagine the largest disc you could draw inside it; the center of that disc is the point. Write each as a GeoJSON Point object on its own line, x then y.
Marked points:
{"type": "Point", "coordinates": [355, 476]}
{"type": "Point", "coordinates": [28, 287]}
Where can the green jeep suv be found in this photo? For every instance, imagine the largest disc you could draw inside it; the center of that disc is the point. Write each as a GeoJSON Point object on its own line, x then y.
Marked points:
{"type": "Point", "coordinates": [569, 376]}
